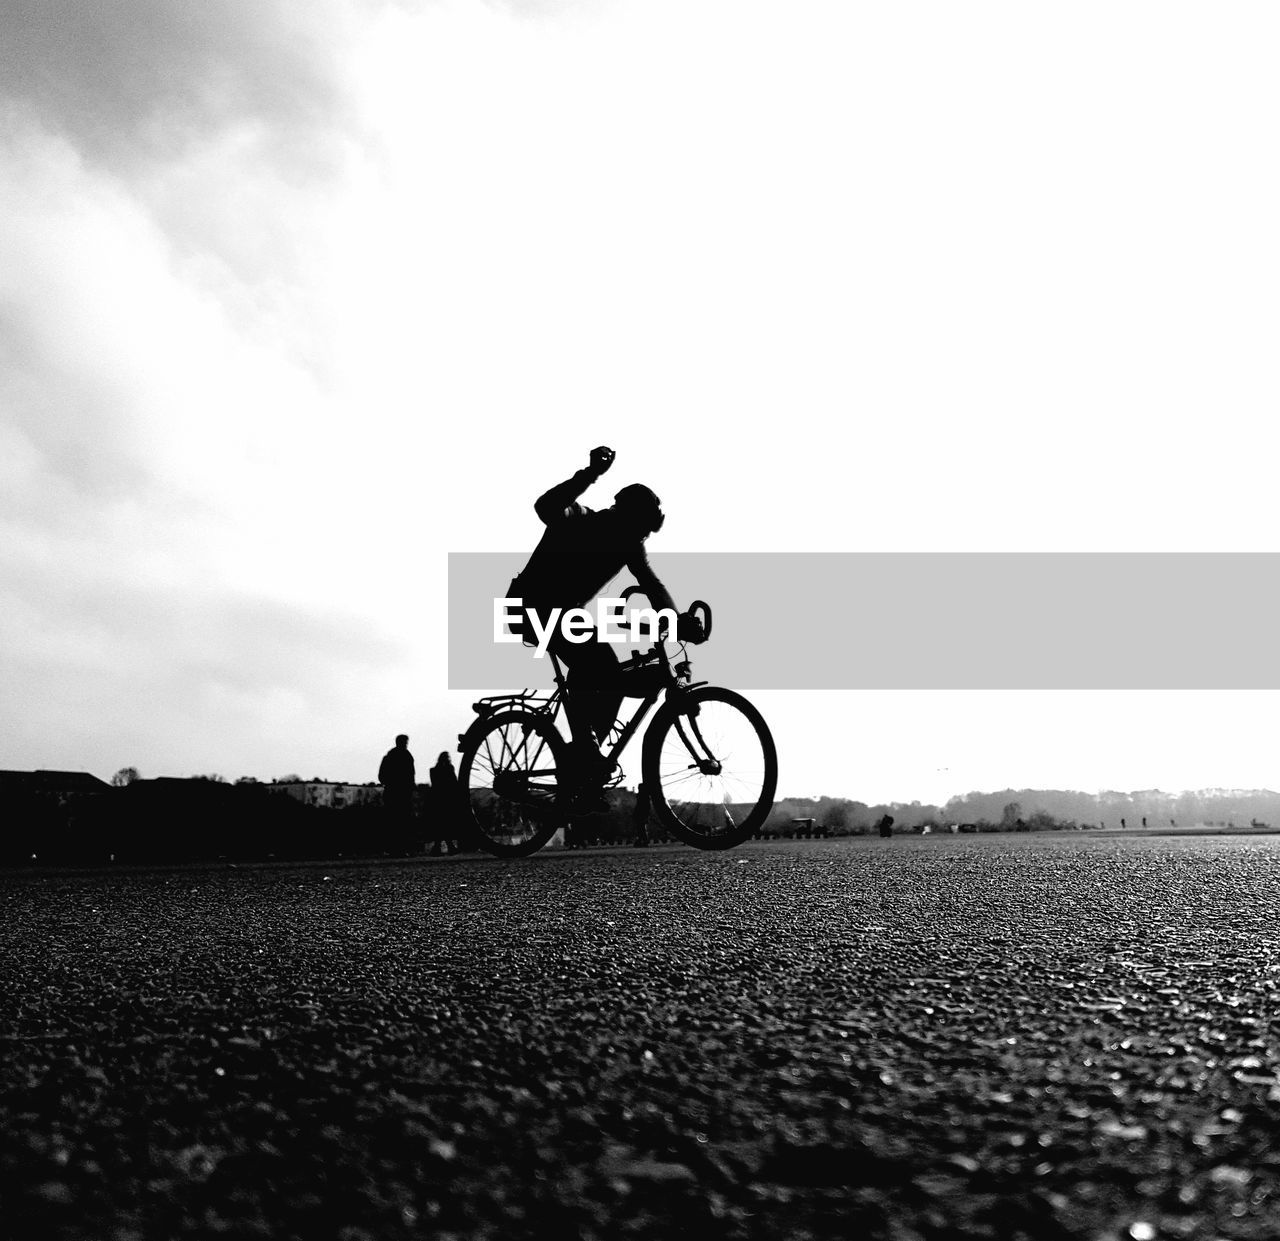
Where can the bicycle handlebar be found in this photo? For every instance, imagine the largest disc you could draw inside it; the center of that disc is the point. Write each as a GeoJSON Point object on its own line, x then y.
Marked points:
{"type": "Point", "coordinates": [706, 614]}
{"type": "Point", "coordinates": [698, 605]}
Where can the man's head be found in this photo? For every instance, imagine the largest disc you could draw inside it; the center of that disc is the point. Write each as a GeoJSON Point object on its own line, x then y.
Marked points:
{"type": "Point", "coordinates": [402, 740]}
{"type": "Point", "coordinates": [639, 508]}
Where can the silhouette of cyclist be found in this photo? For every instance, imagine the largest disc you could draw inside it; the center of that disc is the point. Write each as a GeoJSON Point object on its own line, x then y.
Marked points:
{"type": "Point", "coordinates": [579, 553]}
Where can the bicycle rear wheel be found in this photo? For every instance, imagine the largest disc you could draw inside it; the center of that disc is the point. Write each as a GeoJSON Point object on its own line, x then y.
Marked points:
{"type": "Point", "coordinates": [710, 767]}
{"type": "Point", "coordinates": [509, 779]}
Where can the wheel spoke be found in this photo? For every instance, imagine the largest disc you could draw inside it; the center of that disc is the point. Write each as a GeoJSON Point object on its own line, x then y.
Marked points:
{"type": "Point", "coordinates": [714, 769]}
{"type": "Point", "coordinates": [510, 778]}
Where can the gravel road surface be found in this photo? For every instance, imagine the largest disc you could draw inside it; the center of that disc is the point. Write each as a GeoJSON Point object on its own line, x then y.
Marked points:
{"type": "Point", "coordinates": [1033, 1036]}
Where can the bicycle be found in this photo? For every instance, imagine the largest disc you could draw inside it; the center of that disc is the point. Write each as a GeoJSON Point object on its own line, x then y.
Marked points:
{"type": "Point", "coordinates": [709, 767]}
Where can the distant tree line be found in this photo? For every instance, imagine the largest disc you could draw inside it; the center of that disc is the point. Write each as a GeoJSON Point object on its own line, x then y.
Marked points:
{"type": "Point", "coordinates": [207, 817]}
{"type": "Point", "coordinates": [1187, 809]}
{"type": "Point", "coordinates": [1036, 810]}
{"type": "Point", "coordinates": [840, 816]}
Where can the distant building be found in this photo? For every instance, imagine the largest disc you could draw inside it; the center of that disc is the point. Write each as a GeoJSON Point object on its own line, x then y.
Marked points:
{"type": "Point", "coordinates": [329, 794]}
{"type": "Point", "coordinates": [54, 787]}
{"type": "Point", "coordinates": [35, 805]}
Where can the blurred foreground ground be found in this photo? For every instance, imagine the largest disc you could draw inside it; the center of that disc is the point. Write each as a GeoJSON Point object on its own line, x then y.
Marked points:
{"type": "Point", "coordinates": [1039, 1036]}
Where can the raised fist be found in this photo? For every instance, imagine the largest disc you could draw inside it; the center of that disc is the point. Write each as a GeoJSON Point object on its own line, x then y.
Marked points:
{"type": "Point", "coordinates": [601, 459]}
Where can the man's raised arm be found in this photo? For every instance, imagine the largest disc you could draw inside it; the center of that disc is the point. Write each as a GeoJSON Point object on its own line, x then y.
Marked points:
{"type": "Point", "coordinates": [562, 499]}
{"type": "Point", "coordinates": [649, 583]}
{"type": "Point", "coordinates": [688, 626]}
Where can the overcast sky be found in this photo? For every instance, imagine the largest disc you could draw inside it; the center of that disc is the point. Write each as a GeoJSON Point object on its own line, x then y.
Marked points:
{"type": "Point", "coordinates": [296, 299]}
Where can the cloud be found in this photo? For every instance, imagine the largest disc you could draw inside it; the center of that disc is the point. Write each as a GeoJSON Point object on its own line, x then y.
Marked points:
{"type": "Point", "coordinates": [114, 659]}
{"type": "Point", "coordinates": [159, 173]}
{"type": "Point", "coordinates": [167, 174]}
{"type": "Point", "coordinates": [111, 615]}
{"type": "Point", "coordinates": [129, 83]}
{"type": "Point", "coordinates": [74, 255]}
{"type": "Point", "coordinates": [294, 295]}
{"type": "Point", "coordinates": [225, 123]}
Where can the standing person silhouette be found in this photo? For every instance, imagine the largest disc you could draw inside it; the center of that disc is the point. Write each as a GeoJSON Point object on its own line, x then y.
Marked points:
{"type": "Point", "coordinates": [397, 777]}
{"type": "Point", "coordinates": [580, 552]}
{"type": "Point", "coordinates": [444, 805]}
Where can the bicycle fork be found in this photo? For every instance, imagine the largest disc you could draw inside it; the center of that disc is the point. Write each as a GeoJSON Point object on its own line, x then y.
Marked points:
{"type": "Point", "coordinates": [704, 761]}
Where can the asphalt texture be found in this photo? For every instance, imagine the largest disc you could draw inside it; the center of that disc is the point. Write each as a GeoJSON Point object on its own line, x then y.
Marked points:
{"type": "Point", "coordinates": [1033, 1036]}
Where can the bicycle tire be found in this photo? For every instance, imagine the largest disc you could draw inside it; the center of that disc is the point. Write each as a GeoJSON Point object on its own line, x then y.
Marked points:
{"type": "Point", "coordinates": [731, 803]}
{"type": "Point", "coordinates": [509, 785]}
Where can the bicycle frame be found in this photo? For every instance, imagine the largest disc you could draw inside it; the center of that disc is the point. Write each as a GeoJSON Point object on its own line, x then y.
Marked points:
{"type": "Point", "coordinates": [539, 781]}
{"type": "Point", "coordinates": [551, 704]}
{"type": "Point", "coordinates": [632, 726]}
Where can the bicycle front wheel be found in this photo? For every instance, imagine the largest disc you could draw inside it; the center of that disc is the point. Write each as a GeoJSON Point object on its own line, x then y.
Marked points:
{"type": "Point", "coordinates": [710, 767]}
{"type": "Point", "coordinates": [509, 779]}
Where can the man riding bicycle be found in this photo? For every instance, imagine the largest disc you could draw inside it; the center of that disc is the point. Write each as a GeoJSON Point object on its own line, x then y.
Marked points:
{"type": "Point", "coordinates": [579, 553]}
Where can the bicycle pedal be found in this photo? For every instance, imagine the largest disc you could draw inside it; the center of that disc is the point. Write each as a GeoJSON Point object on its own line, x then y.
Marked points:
{"type": "Point", "coordinates": [600, 770]}
{"type": "Point", "coordinates": [586, 802]}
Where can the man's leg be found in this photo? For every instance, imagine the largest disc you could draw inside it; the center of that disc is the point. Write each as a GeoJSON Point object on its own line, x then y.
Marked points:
{"type": "Point", "coordinates": [594, 684]}
{"type": "Point", "coordinates": [399, 807]}
{"type": "Point", "coordinates": [592, 702]}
